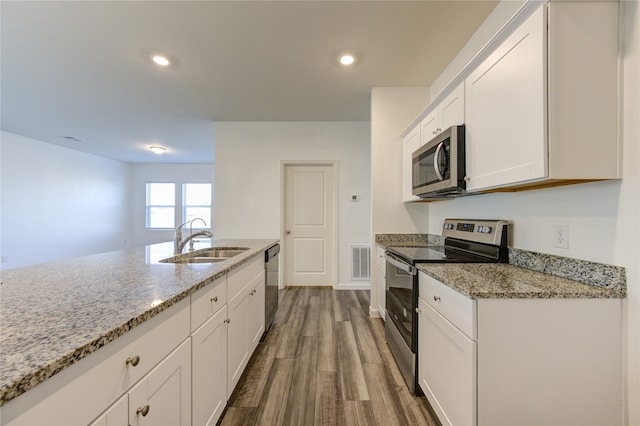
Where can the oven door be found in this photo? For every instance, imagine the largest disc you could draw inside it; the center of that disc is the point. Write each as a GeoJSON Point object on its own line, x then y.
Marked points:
{"type": "Point", "coordinates": [402, 298]}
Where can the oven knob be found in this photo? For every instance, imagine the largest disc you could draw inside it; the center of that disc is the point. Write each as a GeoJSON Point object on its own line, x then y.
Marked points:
{"type": "Point", "coordinates": [487, 230]}
{"type": "Point", "coordinates": [480, 228]}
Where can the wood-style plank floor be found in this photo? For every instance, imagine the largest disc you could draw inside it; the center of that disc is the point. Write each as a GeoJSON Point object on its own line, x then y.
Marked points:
{"type": "Point", "coordinates": [324, 362]}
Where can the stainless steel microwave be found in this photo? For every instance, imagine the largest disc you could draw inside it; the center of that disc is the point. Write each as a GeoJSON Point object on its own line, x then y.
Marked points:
{"type": "Point", "coordinates": [439, 166]}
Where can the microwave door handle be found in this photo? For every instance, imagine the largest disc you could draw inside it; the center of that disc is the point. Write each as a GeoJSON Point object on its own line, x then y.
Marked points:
{"type": "Point", "coordinates": [436, 167]}
{"type": "Point", "coordinates": [410, 269]}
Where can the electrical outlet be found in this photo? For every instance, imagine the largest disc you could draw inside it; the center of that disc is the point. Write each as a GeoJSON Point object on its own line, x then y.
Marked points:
{"type": "Point", "coordinates": [561, 236]}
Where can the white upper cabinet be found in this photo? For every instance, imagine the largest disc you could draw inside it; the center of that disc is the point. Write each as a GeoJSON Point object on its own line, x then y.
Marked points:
{"type": "Point", "coordinates": [542, 107]}
{"type": "Point", "coordinates": [445, 114]}
{"type": "Point", "coordinates": [449, 112]}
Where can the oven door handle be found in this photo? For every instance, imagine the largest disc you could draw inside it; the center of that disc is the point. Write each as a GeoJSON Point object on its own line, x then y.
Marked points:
{"type": "Point", "coordinates": [410, 269]}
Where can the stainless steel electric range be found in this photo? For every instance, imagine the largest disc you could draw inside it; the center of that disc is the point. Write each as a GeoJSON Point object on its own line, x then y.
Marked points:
{"type": "Point", "coordinates": [466, 241]}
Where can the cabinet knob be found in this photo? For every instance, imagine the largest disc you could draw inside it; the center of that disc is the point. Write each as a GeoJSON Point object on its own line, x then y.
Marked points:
{"type": "Point", "coordinates": [435, 132]}
{"type": "Point", "coordinates": [133, 361]}
{"type": "Point", "coordinates": [436, 298]}
{"type": "Point", "coordinates": [214, 299]}
{"type": "Point", "coordinates": [417, 310]}
{"type": "Point", "coordinates": [227, 321]}
{"type": "Point", "coordinates": [252, 293]}
{"type": "Point", "coordinates": [467, 178]}
{"type": "Point", "coordinates": [143, 410]}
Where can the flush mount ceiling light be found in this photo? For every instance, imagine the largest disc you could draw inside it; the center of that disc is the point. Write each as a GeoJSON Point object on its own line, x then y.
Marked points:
{"type": "Point", "coordinates": [161, 60]}
{"type": "Point", "coordinates": [157, 149]}
{"type": "Point", "coordinates": [347, 59]}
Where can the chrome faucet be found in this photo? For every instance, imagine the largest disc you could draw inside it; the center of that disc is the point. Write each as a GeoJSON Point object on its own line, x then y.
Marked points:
{"type": "Point", "coordinates": [179, 243]}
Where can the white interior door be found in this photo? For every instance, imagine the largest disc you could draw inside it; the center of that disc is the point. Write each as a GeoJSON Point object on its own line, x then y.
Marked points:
{"type": "Point", "coordinates": [309, 225]}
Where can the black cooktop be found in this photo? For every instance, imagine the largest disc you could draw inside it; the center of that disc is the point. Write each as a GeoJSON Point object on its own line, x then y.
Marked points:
{"type": "Point", "coordinates": [436, 254]}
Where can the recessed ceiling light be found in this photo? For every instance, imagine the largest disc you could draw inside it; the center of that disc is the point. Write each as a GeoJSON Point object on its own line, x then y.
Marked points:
{"type": "Point", "coordinates": [161, 60]}
{"type": "Point", "coordinates": [347, 59]}
{"type": "Point", "coordinates": [157, 149]}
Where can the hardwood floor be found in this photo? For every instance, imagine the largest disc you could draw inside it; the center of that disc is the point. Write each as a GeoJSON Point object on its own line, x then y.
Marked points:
{"type": "Point", "coordinates": [324, 362]}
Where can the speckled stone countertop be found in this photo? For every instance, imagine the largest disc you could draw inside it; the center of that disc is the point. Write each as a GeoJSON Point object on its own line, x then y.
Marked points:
{"type": "Point", "coordinates": [503, 281]}
{"type": "Point", "coordinates": [54, 314]}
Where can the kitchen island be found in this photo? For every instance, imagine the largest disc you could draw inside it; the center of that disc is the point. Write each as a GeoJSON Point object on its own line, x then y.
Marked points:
{"type": "Point", "coordinates": [56, 314]}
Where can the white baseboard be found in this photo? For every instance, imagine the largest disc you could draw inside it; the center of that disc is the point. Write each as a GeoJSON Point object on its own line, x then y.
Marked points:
{"type": "Point", "coordinates": [353, 286]}
{"type": "Point", "coordinates": [374, 313]}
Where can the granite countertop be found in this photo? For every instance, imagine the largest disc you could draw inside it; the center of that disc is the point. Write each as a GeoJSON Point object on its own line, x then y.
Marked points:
{"type": "Point", "coordinates": [57, 313]}
{"type": "Point", "coordinates": [504, 281]}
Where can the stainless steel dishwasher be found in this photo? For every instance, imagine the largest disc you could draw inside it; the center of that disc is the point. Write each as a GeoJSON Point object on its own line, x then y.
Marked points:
{"type": "Point", "coordinates": [271, 280]}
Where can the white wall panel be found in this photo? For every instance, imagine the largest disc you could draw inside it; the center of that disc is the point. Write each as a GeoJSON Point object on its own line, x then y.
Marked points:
{"type": "Point", "coordinates": [248, 182]}
{"type": "Point", "coordinates": [59, 203]}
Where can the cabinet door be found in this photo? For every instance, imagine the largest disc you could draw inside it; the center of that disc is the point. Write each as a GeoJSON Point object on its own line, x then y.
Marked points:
{"type": "Point", "coordinates": [505, 111]}
{"type": "Point", "coordinates": [237, 338]}
{"type": "Point", "coordinates": [116, 415]}
{"type": "Point", "coordinates": [451, 110]}
{"type": "Point", "coordinates": [163, 397]}
{"type": "Point", "coordinates": [446, 368]}
{"type": "Point", "coordinates": [256, 311]}
{"type": "Point", "coordinates": [381, 269]}
{"type": "Point", "coordinates": [209, 356]}
{"type": "Point", "coordinates": [410, 143]}
{"type": "Point", "coordinates": [429, 127]}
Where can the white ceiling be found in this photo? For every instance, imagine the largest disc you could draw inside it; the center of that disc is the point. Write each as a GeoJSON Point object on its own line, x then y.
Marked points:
{"type": "Point", "coordinates": [79, 68]}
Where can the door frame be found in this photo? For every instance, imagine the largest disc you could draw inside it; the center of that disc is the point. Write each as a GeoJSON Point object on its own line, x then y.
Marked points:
{"type": "Point", "coordinates": [283, 216]}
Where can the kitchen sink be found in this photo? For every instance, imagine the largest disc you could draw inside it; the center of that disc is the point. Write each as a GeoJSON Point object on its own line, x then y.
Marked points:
{"type": "Point", "coordinates": [220, 252]}
{"type": "Point", "coordinates": [212, 255]}
{"type": "Point", "coordinates": [196, 259]}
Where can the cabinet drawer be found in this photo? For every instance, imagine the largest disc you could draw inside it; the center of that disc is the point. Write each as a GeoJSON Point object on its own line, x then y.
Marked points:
{"type": "Point", "coordinates": [455, 307]}
{"type": "Point", "coordinates": [79, 393]}
{"type": "Point", "coordinates": [207, 301]}
{"type": "Point", "coordinates": [240, 277]}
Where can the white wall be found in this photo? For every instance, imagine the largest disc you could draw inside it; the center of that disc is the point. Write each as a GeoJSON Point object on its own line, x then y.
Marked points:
{"type": "Point", "coordinates": [392, 109]}
{"type": "Point", "coordinates": [59, 203]}
{"type": "Point", "coordinates": [602, 217]}
{"type": "Point", "coordinates": [248, 182]}
{"type": "Point", "coordinates": [143, 173]}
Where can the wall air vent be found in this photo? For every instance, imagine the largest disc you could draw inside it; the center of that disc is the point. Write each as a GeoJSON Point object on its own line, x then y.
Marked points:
{"type": "Point", "coordinates": [360, 262]}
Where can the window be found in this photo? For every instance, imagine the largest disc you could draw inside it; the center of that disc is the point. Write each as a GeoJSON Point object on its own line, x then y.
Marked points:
{"type": "Point", "coordinates": [161, 201]}
{"type": "Point", "coordinates": [196, 202]}
{"type": "Point", "coordinates": [169, 205]}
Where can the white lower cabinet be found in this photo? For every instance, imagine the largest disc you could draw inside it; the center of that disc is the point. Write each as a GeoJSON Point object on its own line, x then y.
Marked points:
{"type": "Point", "coordinates": [177, 368]}
{"type": "Point", "coordinates": [163, 397]}
{"type": "Point", "coordinates": [256, 311]}
{"type": "Point", "coordinates": [519, 361]}
{"type": "Point", "coordinates": [116, 415]}
{"type": "Point", "coordinates": [209, 356]}
{"type": "Point", "coordinates": [447, 368]}
{"type": "Point", "coordinates": [381, 269]}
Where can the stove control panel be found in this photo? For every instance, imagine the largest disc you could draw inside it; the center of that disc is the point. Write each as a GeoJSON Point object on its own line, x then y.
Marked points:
{"type": "Point", "coordinates": [482, 231]}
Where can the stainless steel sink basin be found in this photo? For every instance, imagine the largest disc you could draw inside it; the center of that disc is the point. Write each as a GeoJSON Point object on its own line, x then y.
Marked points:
{"type": "Point", "coordinates": [212, 255]}
{"type": "Point", "coordinates": [196, 259]}
{"type": "Point", "coordinates": [221, 252]}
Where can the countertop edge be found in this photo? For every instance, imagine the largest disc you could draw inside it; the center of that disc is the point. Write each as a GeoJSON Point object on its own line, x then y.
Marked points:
{"type": "Point", "coordinates": [32, 379]}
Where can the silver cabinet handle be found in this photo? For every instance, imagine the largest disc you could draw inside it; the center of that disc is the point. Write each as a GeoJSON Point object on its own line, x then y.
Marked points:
{"type": "Point", "coordinates": [143, 410]}
{"type": "Point", "coordinates": [436, 298]}
{"type": "Point", "coordinates": [214, 299]}
{"type": "Point", "coordinates": [133, 361]}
